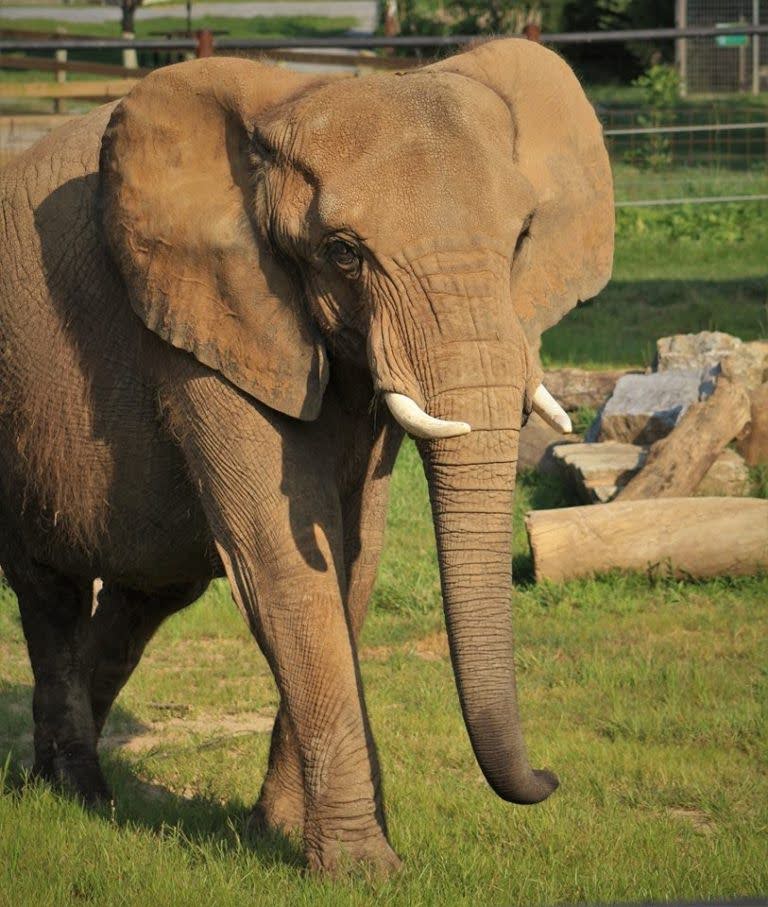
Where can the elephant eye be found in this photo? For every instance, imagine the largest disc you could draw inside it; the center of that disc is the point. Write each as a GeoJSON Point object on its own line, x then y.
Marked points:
{"type": "Point", "coordinates": [344, 256]}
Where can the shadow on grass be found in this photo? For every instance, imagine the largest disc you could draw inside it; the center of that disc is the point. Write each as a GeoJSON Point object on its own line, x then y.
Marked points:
{"type": "Point", "coordinates": [542, 492]}
{"type": "Point", "coordinates": [622, 324]}
{"type": "Point", "coordinates": [189, 822]}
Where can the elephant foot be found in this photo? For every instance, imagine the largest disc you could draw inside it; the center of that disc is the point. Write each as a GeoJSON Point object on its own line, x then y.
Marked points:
{"type": "Point", "coordinates": [75, 775]}
{"type": "Point", "coordinates": [370, 856]}
{"type": "Point", "coordinates": [277, 812]}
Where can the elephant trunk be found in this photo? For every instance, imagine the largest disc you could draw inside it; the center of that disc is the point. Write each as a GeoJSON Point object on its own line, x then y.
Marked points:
{"type": "Point", "coordinates": [471, 483]}
{"type": "Point", "coordinates": [456, 373]}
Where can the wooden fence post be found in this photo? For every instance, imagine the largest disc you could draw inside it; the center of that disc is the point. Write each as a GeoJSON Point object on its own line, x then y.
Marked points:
{"type": "Point", "coordinates": [204, 43]}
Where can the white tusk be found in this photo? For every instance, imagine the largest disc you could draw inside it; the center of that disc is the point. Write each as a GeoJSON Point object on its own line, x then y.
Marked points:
{"type": "Point", "coordinates": [550, 410]}
{"type": "Point", "coordinates": [417, 423]}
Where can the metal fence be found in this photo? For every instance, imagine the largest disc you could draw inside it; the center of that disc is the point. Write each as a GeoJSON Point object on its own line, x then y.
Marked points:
{"type": "Point", "coordinates": [724, 62]}
{"type": "Point", "coordinates": [707, 153]}
{"type": "Point", "coordinates": [700, 151]}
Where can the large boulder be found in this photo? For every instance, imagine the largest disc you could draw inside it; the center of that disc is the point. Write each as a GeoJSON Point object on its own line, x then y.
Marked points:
{"type": "Point", "coordinates": [574, 388]}
{"type": "Point", "coordinates": [694, 352]}
{"type": "Point", "coordinates": [714, 353]}
{"type": "Point", "coordinates": [728, 476]}
{"type": "Point", "coordinates": [645, 408]}
{"type": "Point", "coordinates": [747, 365]}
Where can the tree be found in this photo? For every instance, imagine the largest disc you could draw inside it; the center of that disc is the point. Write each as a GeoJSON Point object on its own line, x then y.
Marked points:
{"type": "Point", "coordinates": [129, 8]}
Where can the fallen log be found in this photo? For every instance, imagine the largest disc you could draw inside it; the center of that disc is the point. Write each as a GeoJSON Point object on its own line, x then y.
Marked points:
{"type": "Point", "coordinates": [676, 464]}
{"type": "Point", "coordinates": [687, 537]}
{"type": "Point", "coordinates": [754, 445]}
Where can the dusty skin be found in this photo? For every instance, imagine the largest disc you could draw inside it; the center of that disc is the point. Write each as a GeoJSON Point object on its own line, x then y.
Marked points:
{"type": "Point", "coordinates": [204, 290]}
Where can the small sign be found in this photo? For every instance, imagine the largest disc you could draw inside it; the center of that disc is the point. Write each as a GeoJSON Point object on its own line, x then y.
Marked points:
{"type": "Point", "coordinates": [730, 40]}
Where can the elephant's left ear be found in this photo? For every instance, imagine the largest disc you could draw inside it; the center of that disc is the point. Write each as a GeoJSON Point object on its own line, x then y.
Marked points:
{"type": "Point", "coordinates": [177, 196]}
{"type": "Point", "coordinates": [567, 254]}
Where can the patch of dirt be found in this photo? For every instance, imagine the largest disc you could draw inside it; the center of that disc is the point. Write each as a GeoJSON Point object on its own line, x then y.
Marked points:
{"type": "Point", "coordinates": [433, 647]}
{"type": "Point", "coordinates": [430, 648]}
{"type": "Point", "coordinates": [179, 729]}
{"type": "Point", "coordinates": [696, 817]}
{"type": "Point", "coordinates": [376, 653]}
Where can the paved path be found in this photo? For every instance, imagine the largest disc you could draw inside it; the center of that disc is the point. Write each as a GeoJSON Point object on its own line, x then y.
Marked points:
{"type": "Point", "coordinates": [362, 10]}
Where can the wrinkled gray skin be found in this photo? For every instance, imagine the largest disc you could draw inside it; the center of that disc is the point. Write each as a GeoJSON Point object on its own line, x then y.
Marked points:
{"type": "Point", "coordinates": [202, 290]}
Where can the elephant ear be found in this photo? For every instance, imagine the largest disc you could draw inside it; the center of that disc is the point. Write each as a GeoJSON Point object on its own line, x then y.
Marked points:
{"type": "Point", "coordinates": [178, 199]}
{"type": "Point", "coordinates": [567, 254]}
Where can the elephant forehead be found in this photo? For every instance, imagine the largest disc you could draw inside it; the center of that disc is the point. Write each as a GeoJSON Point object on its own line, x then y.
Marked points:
{"type": "Point", "coordinates": [389, 123]}
{"type": "Point", "coordinates": [404, 154]}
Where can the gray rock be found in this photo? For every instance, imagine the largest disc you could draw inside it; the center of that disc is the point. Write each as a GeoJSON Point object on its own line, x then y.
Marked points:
{"type": "Point", "coordinates": [694, 351]}
{"type": "Point", "coordinates": [645, 408]}
{"type": "Point", "coordinates": [597, 472]}
{"type": "Point", "coordinates": [574, 388]}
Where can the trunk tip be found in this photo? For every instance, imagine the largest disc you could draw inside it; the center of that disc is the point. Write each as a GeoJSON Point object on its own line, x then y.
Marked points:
{"type": "Point", "coordinates": [540, 784]}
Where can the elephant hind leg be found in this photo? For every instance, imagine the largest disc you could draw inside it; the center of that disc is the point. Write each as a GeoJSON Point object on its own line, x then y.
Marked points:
{"type": "Point", "coordinates": [55, 614]}
{"type": "Point", "coordinates": [280, 806]}
{"type": "Point", "coordinates": [124, 622]}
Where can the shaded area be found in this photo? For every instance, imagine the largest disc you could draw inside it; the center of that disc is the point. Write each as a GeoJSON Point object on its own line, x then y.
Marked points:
{"type": "Point", "coordinates": [196, 820]}
{"type": "Point", "coordinates": [622, 324]}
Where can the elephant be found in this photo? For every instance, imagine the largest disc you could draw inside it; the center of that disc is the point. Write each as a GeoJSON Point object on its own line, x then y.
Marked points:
{"type": "Point", "coordinates": [224, 301]}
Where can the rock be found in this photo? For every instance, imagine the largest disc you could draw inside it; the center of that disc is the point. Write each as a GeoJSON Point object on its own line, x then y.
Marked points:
{"type": "Point", "coordinates": [574, 388]}
{"type": "Point", "coordinates": [598, 471]}
{"type": "Point", "coordinates": [754, 445]}
{"type": "Point", "coordinates": [748, 364]}
{"type": "Point", "coordinates": [536, 437]}
{"type": "Point", "coordinates": [694, 352]}
{"type": "Point", "coordinates": [645, 408]}
{"type": "Point", "coordinates": [728, 476]}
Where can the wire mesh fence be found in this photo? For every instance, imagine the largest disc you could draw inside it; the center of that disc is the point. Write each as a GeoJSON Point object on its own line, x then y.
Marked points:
{"type": "Point", "coordinates": [703, 153]}
{"type": "Point", "coordinates": [725, 63]}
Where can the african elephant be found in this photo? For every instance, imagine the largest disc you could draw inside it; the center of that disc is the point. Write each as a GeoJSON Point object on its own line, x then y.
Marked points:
{"type": "Point", "coordinates": [203, 290]}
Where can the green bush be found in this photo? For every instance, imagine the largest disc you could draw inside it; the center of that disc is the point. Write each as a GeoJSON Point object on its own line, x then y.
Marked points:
{"type": "Point", "coordinates": [660, 87]}
{"type": "Point", "coordinates": [725, 224]}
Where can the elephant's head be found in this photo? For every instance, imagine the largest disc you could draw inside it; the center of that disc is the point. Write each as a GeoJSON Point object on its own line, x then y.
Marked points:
{"type": "Point", "coordinates": [428, 225]}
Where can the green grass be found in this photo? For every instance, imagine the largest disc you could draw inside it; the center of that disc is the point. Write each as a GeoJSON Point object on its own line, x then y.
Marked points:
{"type": "Point", "coordinates": [676, 270]}
{"type": "Point", "coordinates": [648, 697]}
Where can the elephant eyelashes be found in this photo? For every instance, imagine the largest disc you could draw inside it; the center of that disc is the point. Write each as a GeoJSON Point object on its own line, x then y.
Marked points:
{"type": "Point", "coordinates": [344, 256]}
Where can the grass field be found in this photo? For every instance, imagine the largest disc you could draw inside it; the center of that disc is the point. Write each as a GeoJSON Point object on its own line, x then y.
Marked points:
{"type": "Point", "coordinates": [648, 697]}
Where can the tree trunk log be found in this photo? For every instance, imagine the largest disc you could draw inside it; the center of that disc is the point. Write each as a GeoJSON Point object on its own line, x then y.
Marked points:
{"type": "Point", "coordinates": [696, 537]}
{"type": "Point", "coordinates": [677, 463]}
{"type": "Point", "coordinates": [754, 445]}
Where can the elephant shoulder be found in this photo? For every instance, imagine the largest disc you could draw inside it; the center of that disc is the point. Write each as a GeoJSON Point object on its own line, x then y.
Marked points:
{"type": "Point", "coordinates": [69, 152]}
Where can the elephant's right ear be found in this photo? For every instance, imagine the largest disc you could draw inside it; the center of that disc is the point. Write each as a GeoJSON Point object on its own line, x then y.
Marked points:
{"type": "Point", "coordinates": [177, 196]}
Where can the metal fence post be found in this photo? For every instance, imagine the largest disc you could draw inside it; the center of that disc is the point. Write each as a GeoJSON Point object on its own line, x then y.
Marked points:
{"type": "Point", "coordinates": [755, 49]}
{"type": "Point", "coordinates": [681, 45]}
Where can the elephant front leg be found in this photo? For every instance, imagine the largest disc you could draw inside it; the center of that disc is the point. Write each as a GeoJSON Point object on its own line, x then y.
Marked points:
{"type": "Point", "coordinates": [364, 494]}
{"type": "Point", "coordinates": [274, 510]}
{"type": "Point", "coordinates": [305, 637]}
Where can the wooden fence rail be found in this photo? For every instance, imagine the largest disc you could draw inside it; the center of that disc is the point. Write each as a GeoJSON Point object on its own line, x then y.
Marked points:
{"type": "Point", "coordinates": [45, 64]}
{"type": "Point", "coordinates": [97, 91]}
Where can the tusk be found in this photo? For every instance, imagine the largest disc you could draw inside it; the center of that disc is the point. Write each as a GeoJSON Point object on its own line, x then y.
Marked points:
{"type": "Point", "coordinates": [417, 423]}
{"type": "Point", "coordinates": [550, 410]}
